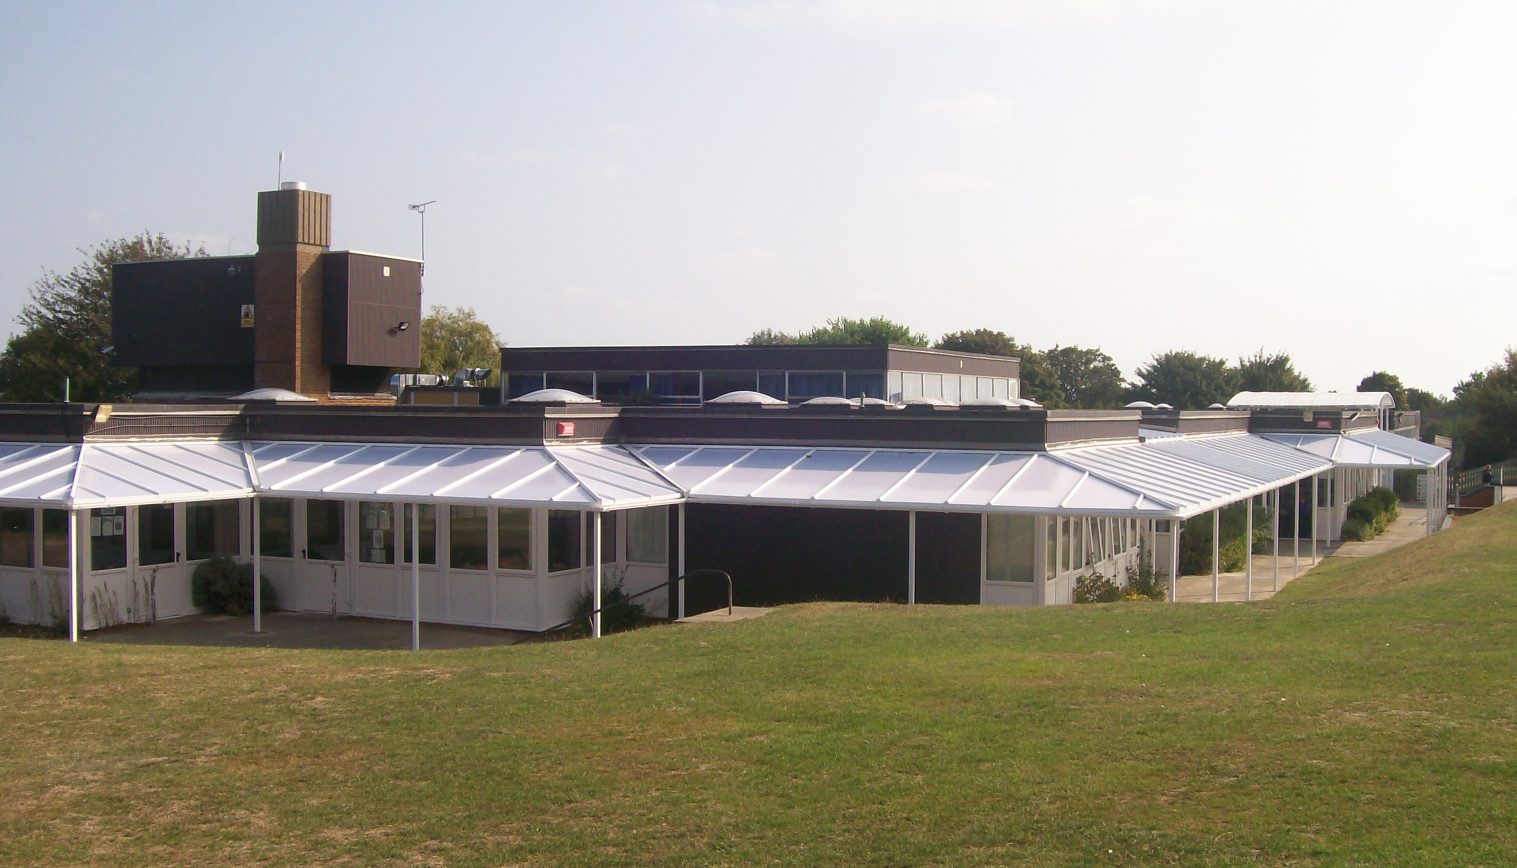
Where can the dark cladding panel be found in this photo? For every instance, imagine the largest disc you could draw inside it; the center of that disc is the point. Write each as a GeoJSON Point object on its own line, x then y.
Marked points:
{"type": "Point", "coordinates": [184, 313]}
{"type": "Point", "coordinates": [365, 299]}
{"type": "Point", "coordinates": [695, 358]}
{"type": "Point", "coordinates": [946, 362]}
{"type": "Point", "coordinates": [948, 557]}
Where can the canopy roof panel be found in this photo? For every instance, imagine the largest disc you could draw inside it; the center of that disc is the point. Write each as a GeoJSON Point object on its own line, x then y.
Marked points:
{"type": "Point", "coordinates": [37, 474]}
{"type": "Point", "coordinates": [1188, 485]}
{"type": "Point", "coordinates": [124, 474]}
{"type": "Point", "coordinates": [1248, 455]}
{"type": "Point", "coordinates": [1314, 400]}
{"type": "Point", "coordinates": [929, 479]}
{"type": "Point", "coordinates": [1425, 453]}
{"type": "Point", "coordinates": [1356, 450]}
{"type": "Point", "coordinates": [574, 477]}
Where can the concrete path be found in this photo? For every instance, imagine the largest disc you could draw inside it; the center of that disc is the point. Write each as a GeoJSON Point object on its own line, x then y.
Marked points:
{"type": "Point", "coordinates": [304, 630]}
{"type": "Point", "coordinates": [720, 616]}
{"type": "Point", "coordinates": [1234, 587]}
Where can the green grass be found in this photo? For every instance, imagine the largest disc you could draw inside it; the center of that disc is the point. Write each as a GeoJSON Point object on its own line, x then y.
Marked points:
{"type": "Point", "coordinates": [1366, 715]}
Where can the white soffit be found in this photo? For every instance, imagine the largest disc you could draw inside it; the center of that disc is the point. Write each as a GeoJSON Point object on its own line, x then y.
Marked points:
{"type": "Point", "coordinates": [577, 477]}
{"type": "Point", "coordinates": [938, 480]}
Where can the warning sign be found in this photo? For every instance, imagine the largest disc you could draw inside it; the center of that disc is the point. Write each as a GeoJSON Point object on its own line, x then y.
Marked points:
{"type": "Point", "coordinates": [247, 316]}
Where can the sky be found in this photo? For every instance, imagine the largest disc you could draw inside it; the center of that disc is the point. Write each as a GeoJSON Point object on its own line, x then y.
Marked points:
{"type": "Point", "coordinates": [1333, 180]}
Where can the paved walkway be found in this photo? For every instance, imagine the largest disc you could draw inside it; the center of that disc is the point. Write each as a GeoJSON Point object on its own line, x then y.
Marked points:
{"type": "Point", "coordinates": [720, 616]}
{"type": "Point", "coordinates": [1234, 587]}
{"type": "Point", "coordinates": [304, 630]}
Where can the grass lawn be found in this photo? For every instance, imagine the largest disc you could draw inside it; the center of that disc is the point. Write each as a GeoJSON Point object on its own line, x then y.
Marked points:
{"type": "Point", "coordinates": [1368, 714]}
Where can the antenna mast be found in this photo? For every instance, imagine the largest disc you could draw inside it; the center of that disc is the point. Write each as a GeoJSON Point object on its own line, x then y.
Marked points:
{"type": "Point", "coordinates": [421, 208]}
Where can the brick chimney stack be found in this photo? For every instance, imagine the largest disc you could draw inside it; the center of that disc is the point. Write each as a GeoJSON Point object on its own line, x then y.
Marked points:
{"type": "Point", "coordinates": [294, 230]}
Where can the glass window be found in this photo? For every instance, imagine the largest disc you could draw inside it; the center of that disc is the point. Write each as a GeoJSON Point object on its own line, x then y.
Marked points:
{"type": "Point", "coordinates": [675, 385]}
{"type": "Point", "coordinates": [983, 388]}
{"type": "Point", "coordinates": [523, 383]}
{"type": "Point", "coordinates": [607, 537]}
{"type": "Point", "coordinates": [1051, 549]}
{"type": "Point", "coordinates": [911, 385]}
{"type": "Point", "coordinates": [951, 388]}
{"type": "Point", "coordinates": [155, 534]}
{"type": "Point", "coordinates": [582, 382]}
{"type": "Point", "coordinates": [16, 538]}
{"type": "Point", "coordinates": [426, 520]}
{"type": "Point", "coordinates": [276, 538]}
{"type": "Point", "coordinates": [54, 538]}
{"type": "Point", "coordinates": [108, 538]}
{"type": "Point", "coordinates": [513, 539]}
{"type": "Point", "coordinates": [1009, 541]}
{"type": "Point", "coordinates": [324, 530]}
{"type": "Point", "coordinates": [815, 384]}
{"type": "Point", "coordinates": [376, 533]}
{"type": "Point", "coordinates": [870, 385]}
{"type": "Point", "coordinates": [212, 529]}
{"type": "Point", "coordinates": [648, 535]}
{"type": "Point", "coordinates": [772, 383]}
{"type": "Point", "coordinates": [893, 383]}
{"type": "Point", "coordinates": [469, 537]}
{"type": "Point", "coordinates": [1076, 543]}
{"type": "Point", "coordinates": [932, 385]}
{"type": "Point", "coordinates": [616, 387]}
{"type": "Point", "coordinates": [564, 551]}
{"type": "Point", "coordinates": [999, 387]}
{"type": "Point", "coordinates": [714, 384]}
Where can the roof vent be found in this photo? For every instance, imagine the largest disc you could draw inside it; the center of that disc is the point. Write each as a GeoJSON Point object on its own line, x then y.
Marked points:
{"type": "Point", "coordinates": [283, 396]}
{"type": "Point", "coordinates": [1139, 405]}
{"type": "Point", "coordinates": [553, 396]}
{"type": "Point", "coordinates": [292, 185]}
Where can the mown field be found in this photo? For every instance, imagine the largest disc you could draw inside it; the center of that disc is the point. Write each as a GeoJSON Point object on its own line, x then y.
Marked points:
{"type": "Point", "coordinates": [1368, 715]}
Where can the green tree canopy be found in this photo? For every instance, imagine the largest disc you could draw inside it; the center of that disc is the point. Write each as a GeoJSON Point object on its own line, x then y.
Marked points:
{"type": "Point", "coordinates": [66, 327]}
{"type": "Point", "coordinates": [843, 330]}
{"type": "Point", "coordinates": [1263, 372]}
{"type": "Point", "coordinates": [1489, 398]}
{"type": "Point", "coordinates": [1185, 380]}
{"type": "Point", "coordinates": [1382, 381]}
{"type": "Point", "coordinates": [1037, 380]}
{"type": "Point", "coordinates": [453, 338]}
{"type": "Point", "coordinates": [1085, 378]}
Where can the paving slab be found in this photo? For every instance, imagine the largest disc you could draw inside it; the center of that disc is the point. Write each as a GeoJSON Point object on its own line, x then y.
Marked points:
{"type": "Point", "coordinates": [720, 616]}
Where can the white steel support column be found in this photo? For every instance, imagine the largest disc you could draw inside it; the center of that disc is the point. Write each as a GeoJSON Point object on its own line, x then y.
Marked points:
{"type": "Point", "coordinates": [1432, 480]}
{"type": "Point", "coordinates": [415, 579]}
{"type": "Point", "coordinates": [681, 566]}
{"type": "Point", "coordinates": [1216, 543]}
{"type": "Point", "coordinates": [1174, 560]}
{"type": "Point", "coordinates": [595, 580]}
{"type": "Point", "coordinates": [1296, 534]}
{"type": "Point", "coordinates": [73, 575]}
{"type": "Point", "coordinates": [257, 566]}
{"type": "Point", "coordinates": [1315, 522]}
{"type": "Point", "coordinates": [911, 557]}
{"type": "Point", "coordinates": [1248, 551]}
{"type": "Point", "coordinates": [1275, 524]}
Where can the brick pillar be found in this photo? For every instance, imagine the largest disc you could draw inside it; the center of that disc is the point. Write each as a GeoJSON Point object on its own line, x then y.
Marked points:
{"type": "Point", "coordinates": [294, 230]}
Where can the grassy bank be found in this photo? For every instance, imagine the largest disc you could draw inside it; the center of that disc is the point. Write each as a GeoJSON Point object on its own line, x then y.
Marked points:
{"type": "Point", "coordinates": [1367, 714]}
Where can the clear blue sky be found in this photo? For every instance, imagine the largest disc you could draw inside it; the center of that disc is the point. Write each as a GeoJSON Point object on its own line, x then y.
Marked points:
{"type": "Point", "coordinates": [1337, 180]}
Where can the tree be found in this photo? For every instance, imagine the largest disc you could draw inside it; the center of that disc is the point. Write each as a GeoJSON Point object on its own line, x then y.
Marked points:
{"type": "Point", "coordinates": [1382, 381]}
{"type": "Point", "coordinates": [1085, 378]}
{"type": "Point", "coordinates": [66, 327]}
{"type": "Point", "coordinates": [453, 338]}
{"type": "Point", "coordinates": [843, 330]}
{"type": "Point", "coordinates": [1489, 398]}
{"type": "Point", "coordinates": [1270, 373]}
{"type": "Point", "coordinates": [1037, 380]}
{"type": "Point", "coordinates": [1185, 380]}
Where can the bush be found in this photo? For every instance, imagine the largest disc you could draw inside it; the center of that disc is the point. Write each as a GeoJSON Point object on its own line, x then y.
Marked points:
{"type": "Point", "coordinates": [1363, 511]}
{"type": "Point", "coordinates": [617, 613]}
{"type": "Point", "coordinates": [1356, 530]}
{"type": "Point", "coordinates": [1096, 588]}
{"type": "Point", "coordinates": [1143, 583]}
{"type": "Point", "coordinates": [1388, 500]}
{"type": "Point", "coordinates": [220, 586]}
{"type": "Point", "coordinates": [1195, 541]}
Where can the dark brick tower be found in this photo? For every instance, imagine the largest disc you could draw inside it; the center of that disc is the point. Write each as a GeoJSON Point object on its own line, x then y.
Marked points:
{"type": "Point", "coordinates": [294, 230]}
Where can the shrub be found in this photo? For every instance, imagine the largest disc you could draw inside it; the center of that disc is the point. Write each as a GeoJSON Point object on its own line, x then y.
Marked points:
{"type": "Point", "coordinates": [1387, 499]}
{"type": "Point", "coordinates": [220, 586]}
{"type": "Point", "coordinates": [1195, 541]}
{"type": "Point", "coordinates": [617, 613]}
{"type": "Point", "coordinates": [1143, 583]}
{"type": "Point", "coordinates": [1355, 529]}
{"type": "Point", "coordinates": [1096, 588]}
{"type": "Point", "coordinates": [1363, 511]}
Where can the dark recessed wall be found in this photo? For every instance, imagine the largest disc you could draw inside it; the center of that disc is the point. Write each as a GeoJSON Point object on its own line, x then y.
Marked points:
{"type": "Point", "coordinates": [183, 313]}
{"type": "Point", "coordinates": [362, 307]}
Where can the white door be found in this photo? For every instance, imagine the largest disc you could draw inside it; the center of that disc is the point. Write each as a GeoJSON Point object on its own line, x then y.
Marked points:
{"type": "Point", "coordinates": [160, 585]}
{"type": "Point", "coordinates": [323, 562]}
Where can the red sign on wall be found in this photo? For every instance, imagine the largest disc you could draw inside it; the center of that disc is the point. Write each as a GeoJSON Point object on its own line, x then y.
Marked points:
{"type": "Point", "coordinates": [566, 429]}
{"type": "Point", "coordinates": [1321, 423]}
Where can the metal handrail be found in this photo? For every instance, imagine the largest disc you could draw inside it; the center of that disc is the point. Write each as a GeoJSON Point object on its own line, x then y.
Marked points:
{"type": "Point", "coordinates": [669, 585]}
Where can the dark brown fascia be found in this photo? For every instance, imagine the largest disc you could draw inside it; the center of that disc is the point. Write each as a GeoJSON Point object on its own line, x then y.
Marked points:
{"type": "Point", "coordinates": [1304, 421]}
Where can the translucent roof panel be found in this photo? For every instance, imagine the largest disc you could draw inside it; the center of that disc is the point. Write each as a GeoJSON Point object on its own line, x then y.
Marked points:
{"type": "Point", "coordinates": [122, 474]}
{"type": "Point", "coordinates": [941, 480]}
{"type": "Point", "coordinates": [1248, 455]}
{"type": "Point", "coordinates": [36, 474]}
{"type": "Point", "coordinates": [1316, 400]}
{"type": "Point", "coordinates": [1425, 454]}
{"type": "Point", "coordinates": [1344, 451]}
{"type": "Point", "coordinates": [596, 478]}
{"type": "Point", "coordinates": [1189, 486]}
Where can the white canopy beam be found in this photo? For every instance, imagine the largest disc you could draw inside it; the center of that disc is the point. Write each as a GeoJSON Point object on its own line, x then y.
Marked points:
{"type": "Point", "coordinates": [257, 564]}
{"type": "Point", "coordinates": [1216, 544]}
{"type": "Point", "coordinates": [73, 575]}
{"type": "Point", "coordinates": [415, 578]}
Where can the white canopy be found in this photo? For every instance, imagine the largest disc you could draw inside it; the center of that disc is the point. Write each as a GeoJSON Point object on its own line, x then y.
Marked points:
{"type": "Point", "coordinates": [1374, 448]}
{"type": "Point", "coordinates": [939, 480]}
{"type": "Point", "coordinates": [1313, 400]}
{"type": "Point", "coordinates": [595, 478]}
{"type": "Point", "coordinates": [91, 475]}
